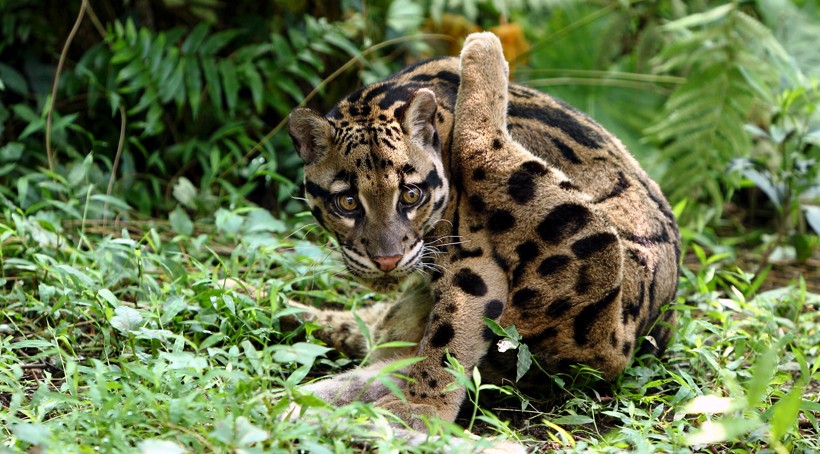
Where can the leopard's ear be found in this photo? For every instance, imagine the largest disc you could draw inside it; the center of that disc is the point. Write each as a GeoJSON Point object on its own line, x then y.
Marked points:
{"type": "Point", "coordinates": [311, 133]}
{"type": "Point", "coordinates": [418, 117]}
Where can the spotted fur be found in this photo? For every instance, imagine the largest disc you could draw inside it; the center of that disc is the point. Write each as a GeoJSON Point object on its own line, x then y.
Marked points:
{"type": "Point", "coordinates": [529, 214]}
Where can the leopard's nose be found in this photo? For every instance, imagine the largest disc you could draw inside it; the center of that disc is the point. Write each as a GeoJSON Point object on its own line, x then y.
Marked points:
{"type": "Point", "coordinates": [387, 263]}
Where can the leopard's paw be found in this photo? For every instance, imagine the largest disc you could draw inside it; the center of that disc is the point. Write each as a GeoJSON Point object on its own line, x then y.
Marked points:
{"type": "Point", "coordinates": [482, 52]}
{"type": "Point", "coordinates": [410, 413]}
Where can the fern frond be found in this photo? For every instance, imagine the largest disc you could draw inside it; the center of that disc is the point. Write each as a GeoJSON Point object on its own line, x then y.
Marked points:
{"type": "Point", "coordinates": [701, 127]}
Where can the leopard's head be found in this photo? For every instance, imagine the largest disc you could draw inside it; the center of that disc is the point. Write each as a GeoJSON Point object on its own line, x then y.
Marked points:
{"type": "Point", "coordinates": [375, 181]}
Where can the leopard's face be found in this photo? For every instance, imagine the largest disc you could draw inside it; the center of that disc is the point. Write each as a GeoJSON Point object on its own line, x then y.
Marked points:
{"type": "Point", "coordinates": [378, 186]}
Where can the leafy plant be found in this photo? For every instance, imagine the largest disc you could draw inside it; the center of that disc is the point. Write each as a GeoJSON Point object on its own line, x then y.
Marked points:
{"type": "Point", "coordinates": [785, 165]}
{"type": "Point", "coordinates": [701, 126]}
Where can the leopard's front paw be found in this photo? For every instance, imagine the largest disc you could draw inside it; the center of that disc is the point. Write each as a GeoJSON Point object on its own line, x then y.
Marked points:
{"type": "Point", "coordinates": [484, 52]}
{"type": "Point", "coordinates": [409, 412]}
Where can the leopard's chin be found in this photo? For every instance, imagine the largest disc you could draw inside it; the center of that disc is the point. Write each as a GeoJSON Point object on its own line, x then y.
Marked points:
{"type": "Point", "coordinates": [383, 284]}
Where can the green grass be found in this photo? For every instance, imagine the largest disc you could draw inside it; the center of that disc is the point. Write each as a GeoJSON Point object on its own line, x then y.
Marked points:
{"type": "Point", "coordinates": [121, 336]}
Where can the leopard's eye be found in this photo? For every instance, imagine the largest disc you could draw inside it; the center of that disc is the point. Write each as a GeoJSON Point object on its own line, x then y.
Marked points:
{"type": "Point", "coordinates": [410, 196]}
{"type": "Point", "coordinates": [346, 203]}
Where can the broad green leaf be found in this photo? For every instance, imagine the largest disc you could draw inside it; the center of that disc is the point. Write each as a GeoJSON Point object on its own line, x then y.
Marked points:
{"type": "Point", "coordinates": [180, 221]}
{"type": "Point", "coordinates": [79, 277]}
{"type": "Point", "coordinates": [765, 366]}
{"type": "Point", "coordinates": [126, 319]}
{"type": "Point", "coordinates": [254, 81]}
{"type": "Point", "coordinates": [108, 297]}
{"type": "Point", "coordinates": [172, 306]}
{"type": "Point", "coordinates": [11, 151]}
{"type": "Point", "coordinates": [785, 411]}
{"type": "Point", "coordinates": [495, 327]}
{"type": "Point", "coordinates": [300, 352]}
{"type": "Point", "coordinates": [31, 343]}
{"type": "Point", "coordinates": [524, 361]}
{"type": "Point", "coordinates": [218, 41]}
{"type": "Point", "coordinates": [185, 192]}
{"type": "Point", "coordinates": [247, 433]}
{"type": "Point", "coordinates": [184, 360]}
{"type": "Point", "coordinates": [31, 432]}
{"type": "Point", "coordinates": [230, 84]}
{"type": "Point", "coordinates": [193, 85]}
{"type": "Point", "coordinates": [228, 221]}
{"type": "Point", "coordinates": [211, 72]}
{"type": "Point", "coordinates": [263, 221]}
{"type": "Point", "coordinates": [195, 38]}
{"type": "Point", "coordinates": [573, 420]}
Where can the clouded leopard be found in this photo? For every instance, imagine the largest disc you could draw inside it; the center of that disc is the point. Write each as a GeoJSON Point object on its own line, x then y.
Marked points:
{"type": "Point", "coordinates": [502, 203]}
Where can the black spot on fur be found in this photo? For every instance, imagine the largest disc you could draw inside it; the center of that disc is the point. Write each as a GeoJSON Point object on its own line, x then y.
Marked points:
{"type": "Point", "coordinates": [620, 186]}
{"type": "Point", "coordinates": [627, 349]}
{"type": "Point", "coordinates": [500, 221]}
{"type": "Point", "coordinates": [525, 297]}
{"type": "Point", "coordinates": [487, 334]}
{"type": "Point", "coordinates": [584, 283]}
{"type": "Point", "coordinates": [652, 286]}
{"type": "Point", "coordinates": [552, 264]}
{"type": "Point", "coordinates": [432, 383]}
{"type": "Point", "coordinates": [521, 187]}
{"type": "Point", "coordinates": [470, 282]}
{"type": "Point", "coordinates": [637, 256]}
{"type": "Point", "coordinates": [464, 253]}
{"type": "Point", "coordinates": [566, 151]}
{"type": "Point", "coordinates": [479, 174]}
{"type": "Point", "coordinates": [448, 77]}
{"type": "Point", "coordinates": [423, 77]}
{"type": "Point", "coordinates": [493, 309]}
{"type": "Point", "coordinates": [316, 191]}
{"type": "Point", "coordinates": [443, 335]}
{"type": "Point", "coordinates": [497, 144]}
{"type": "Point", "coordinates": [399, 93]}
{"type": "Point", "coordinates": [438, 204]}
{"type": "Point", "coordinates": [476, 203]}
{"type": "Point", "coordinates": [613, 340]}
{"type": "Point", "coordinates": [558, 307]}
{"type": "Point", "coordinates": [588, 246]}
{"type": "Point", "coordinates": [435, 274]}
{"type": "Point", "coordinates": [376, 91]}
{"type": "Point", "coordinates": [588, 315]}
{"type": "Point", "coordinates": [433, 180]}
{"type": "Point", "coordinates": [568, 186]}
{"type": "Point", "coordinates": [559, 118]}
{"type": "Point", "coordinates": [535, 168]}
{"type": "Point", "coordinates": [546, 333]}
{"type": "Point", "coordinates": [647, 240]}
{"type": "Point", "coordinates": [565, 220]}
{"type": "Point", "coordinates": [527, 251]}
{"type": "Point", "coordinates": [499, 260]}
{"type": "Point", "coordinates": [631, 309]}
{"type": "Point", "coordinates": [317, 213]}
{"type": "Point", "coordinates": [450, 308]}
{"type": "Point", "coordinates": [407, 169]}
